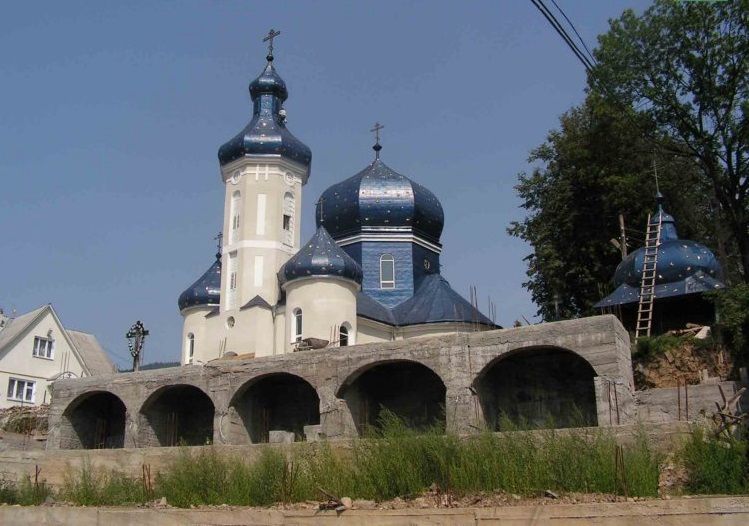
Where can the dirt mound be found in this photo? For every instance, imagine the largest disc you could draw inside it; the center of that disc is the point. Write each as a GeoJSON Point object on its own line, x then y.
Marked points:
{"type": "Point", "coordinates": [666, 361]}
{"type": "Point", "coordinates": [24, 419]}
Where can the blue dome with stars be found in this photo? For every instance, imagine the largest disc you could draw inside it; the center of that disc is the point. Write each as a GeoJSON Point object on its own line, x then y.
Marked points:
{"type": "Point", "coordinates": [204, 292]}
{"type": "Point", "coordinates": [683, 266]}
{"type": "Point", "coordinates": [266, 134]}
{"type": "Point", "coordinates": [320, 257]}
{"type": "Point", "coordinates": [380, 199]}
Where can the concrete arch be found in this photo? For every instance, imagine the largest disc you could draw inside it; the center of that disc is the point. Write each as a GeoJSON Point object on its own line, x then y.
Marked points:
{"type": "Point", "coordinates": [274, 401]}
{"type": "Point", "coordinates": [410, 389]}
{"type": "Point", "coordinates": [94, 420]}
{"type": "Point", "coordinates": [537, 386]}
{"type": "Point", "coordinates": [176, 414]}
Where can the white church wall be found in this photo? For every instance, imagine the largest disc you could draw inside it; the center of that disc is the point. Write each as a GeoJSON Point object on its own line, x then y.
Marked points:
{"type": "Point", "coordinates": [326, 303]}
{"type": "Point", "coordinates": [196, 324]}
{"type": "Point", "coordinates": [372, 332]}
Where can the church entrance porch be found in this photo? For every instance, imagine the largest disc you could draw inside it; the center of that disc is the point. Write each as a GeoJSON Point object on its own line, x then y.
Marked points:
{"type": "Point", "coordinates": [537, 388]}
{"type": "Point", "coordinates": [409, 390]}
{"type": "Point", "coordinates": [94, 421]}
{"type": "Point", "coordinates": [177, 415]}
{"type": "Point", "coordinates": [276, 402]}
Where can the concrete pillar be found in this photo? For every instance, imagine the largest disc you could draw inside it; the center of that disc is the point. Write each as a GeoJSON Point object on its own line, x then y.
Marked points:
{"type": "Point", "coordinates": [461, 410]}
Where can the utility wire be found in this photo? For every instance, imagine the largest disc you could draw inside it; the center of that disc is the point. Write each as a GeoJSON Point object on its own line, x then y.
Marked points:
{"type": "Point", "coordinates": [580, 38]}
{"type": "Point", "coordinates": [563, 33]}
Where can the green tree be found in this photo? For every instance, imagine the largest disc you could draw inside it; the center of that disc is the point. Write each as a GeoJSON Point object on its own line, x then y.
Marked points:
{"type": "Point", "coordinates": [596, 166]}
{"type": "Point", "coordinates": [686, 65]}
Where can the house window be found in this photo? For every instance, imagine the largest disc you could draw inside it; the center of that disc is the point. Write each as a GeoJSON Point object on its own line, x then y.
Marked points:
{"type": "Point", "coordinates": [43, 347]}
{"type": "Point", "coordinates": [343, 336]}
{"type": "Point", "coordinates": [21, 390]}
{"type": "Point", "coordinates": [387, 271]}
{"type": "Point", "coordinates": [297, 332]}
{"type": "Point", "coordinates": [190, 347]}
{"type": "Point", "coordinates": [286, 222]}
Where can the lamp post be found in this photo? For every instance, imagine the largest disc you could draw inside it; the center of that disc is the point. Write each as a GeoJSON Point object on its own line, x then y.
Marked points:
{"type": "Point", "coordinates": [135, 338]}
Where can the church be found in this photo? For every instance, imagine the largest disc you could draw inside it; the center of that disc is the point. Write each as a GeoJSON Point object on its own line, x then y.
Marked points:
{"type": "Point", "coordinates": [370, 273]}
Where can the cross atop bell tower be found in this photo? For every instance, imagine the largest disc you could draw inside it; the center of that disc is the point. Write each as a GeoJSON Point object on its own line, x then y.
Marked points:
{"type": "Point", "coordinates": [269, 38]}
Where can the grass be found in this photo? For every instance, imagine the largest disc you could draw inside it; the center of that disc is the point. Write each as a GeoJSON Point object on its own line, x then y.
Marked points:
{"type": "Point", "coordinates": [649, 347]}
{"type": "Point", "coordinates": [716, 466]}
{"type": "Point", "coordinates": [398, 462]}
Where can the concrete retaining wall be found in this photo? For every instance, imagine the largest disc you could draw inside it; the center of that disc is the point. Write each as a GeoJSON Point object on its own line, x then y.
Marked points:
{"type": "Point", "coordinates": [56, 464]}
{"type": "Point", "coordinates": [710, 511]}
{"type": "Point", "coordinates": [671, 404]}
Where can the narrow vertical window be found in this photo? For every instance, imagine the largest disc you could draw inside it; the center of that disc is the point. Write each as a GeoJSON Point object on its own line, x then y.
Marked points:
{"type": "Point", "coordinates": [343, 336]}
{"type": "Point", "coordinates": [297, 326]}
{"type": "Point", "coordinates": [387, 271]}
{"type": "Point", "coordinates": [289, 205]}
{"type": "Point", "coordinates": [231, 297]}
{"type": "Point", "coordinates": [235, 214]}
{"type": "Point", "coordinates": [190, 347]}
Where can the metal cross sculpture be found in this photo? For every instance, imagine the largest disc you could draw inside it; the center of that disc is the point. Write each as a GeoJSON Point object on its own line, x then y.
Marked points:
{"type": "Point", "coordinates": [135, 338]}
{"type": "Point", "coordinates": [377, 147]}
{"type": "Point", "coordinates": [269, 38]}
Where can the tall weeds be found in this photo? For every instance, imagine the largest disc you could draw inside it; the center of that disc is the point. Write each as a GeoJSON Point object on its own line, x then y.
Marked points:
{"type": "Point", "coordinates": [393, 462]}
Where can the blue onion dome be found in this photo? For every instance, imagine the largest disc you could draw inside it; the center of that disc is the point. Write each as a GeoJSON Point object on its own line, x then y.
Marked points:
{"type": "Point", "coordinates": [206, 291]}
{"type": "Point", "coordinates": [678, 259]}
{"type": "Point", "coordinates": [321, 257]}
{"type": "Point", "coordinates": [266, 134]}
{"type": "Point", "coordinates": [379, 198]}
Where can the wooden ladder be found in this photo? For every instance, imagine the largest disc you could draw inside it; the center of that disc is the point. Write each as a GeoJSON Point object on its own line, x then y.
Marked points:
{"type": "Point", "coordinates": [647, 285]}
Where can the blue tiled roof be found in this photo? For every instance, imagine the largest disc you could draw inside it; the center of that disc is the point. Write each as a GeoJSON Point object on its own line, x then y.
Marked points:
{"type": "Point", "coordinates": [320, 257]}
{"type": "Point", "coordinates": [266, 134]}
{"type": "Point", "coordinates": [380, 198]}
{"type": "Point", "coordinates": [434, 302]}
{"type": "Point", "coordinates": [206, 290]}
{"type": "Point", "coordinates": [683, 267]}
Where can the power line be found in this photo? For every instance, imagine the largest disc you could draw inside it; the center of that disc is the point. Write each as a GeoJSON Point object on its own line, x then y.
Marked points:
{"type": "Point", "coordinates": [580, 38]}
{"type": "Point", "coordinates": [563, 33]}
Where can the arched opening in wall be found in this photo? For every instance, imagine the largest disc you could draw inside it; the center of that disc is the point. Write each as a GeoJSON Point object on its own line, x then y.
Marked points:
{"type": "Point", "coordinates": [190, 354]}
{"type": "Point", "coordinates": [296, 328]}
{"type": "Point", "coordinates": [540, 387]}
{"type": "Point", "coordinates": [409, 390]}
{"type": "Point", "coordinates": [276, 402]}
{"type": "Point", "coordinates": [177, 415]}
{"type": "Point", "coordinates": [344, 335]}
{"type": "Point", "coordinates": [94, 421]}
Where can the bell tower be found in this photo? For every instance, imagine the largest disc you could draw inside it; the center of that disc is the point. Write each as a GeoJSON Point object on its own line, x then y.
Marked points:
{"type": "Point", "coordinates": [263, 168]}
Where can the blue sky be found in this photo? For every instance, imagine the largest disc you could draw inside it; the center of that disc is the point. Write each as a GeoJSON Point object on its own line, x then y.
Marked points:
{"type": "Point", "coordinates": [112, 114]}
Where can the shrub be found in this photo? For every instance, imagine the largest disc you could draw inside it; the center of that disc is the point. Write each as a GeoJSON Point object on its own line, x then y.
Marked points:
{"type": "Point", "coordinates": [649, 347]}
{"type": "Point", "coordinates": [716, 465]}
{"type": "Point", "coordinates": [89, 487]}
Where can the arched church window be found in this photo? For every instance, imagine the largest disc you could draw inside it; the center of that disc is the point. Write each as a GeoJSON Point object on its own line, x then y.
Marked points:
{"type": "Point", "coordinates": [190, 347]}
{"type": "Point", "coordinates": [387, 271]}
{"type": "Point", "coordinates": [297, 326]}
{"type": "Point", "coordinates": [343, 335]}
{"type": "Point", "coordinates": [288, 218]}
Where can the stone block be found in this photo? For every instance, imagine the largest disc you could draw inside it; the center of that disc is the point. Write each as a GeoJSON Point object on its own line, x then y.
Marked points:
{"type": "Point", "coordinates": [280, 437]}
